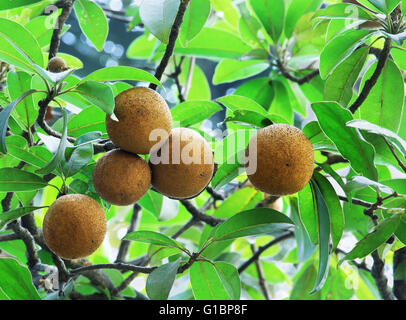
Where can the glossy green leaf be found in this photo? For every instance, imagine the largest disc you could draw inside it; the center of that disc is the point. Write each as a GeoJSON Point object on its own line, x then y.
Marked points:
{"type": "Point", "coordinates": [13, 179]}
{"type": "Point", "coordinates": [79, 158]}
{"type": "Point", "coordinates": [152, 237]}
{"type": "Point", "coordinates": [344, 11]}
{"type": "Point", "coordinates": [271, 13]}
{"type": "Point", "coordinates": [160, 281]}
{"type": "Point", "coordinates": [215, 44]}
{"type": "Point", "coordinates": [199, 85]}
{"type": "Point", "coordinates": [88, 120]}
{"type": "Point", "coordinates": [92, 22]}
{"type": "Point", "coordinates": [158, 17]}
{"type": "Point", "coordinates": [233, 70]}
{"type": "Point", "coordinates": [194, 111]}
{"type": "Point", "coordinates": [56, 160]}
{"type": "Point", "coordinates": [37, 156]}
{"type": "Point", "coordinates": [229, 10]}
{"type": "Point", "coordinates": [5, 115]}
{"type": "Point", "coordinates": [18, 46]}
{"type": "Point", "coordinates": [9, 216]}
{"type": "Point", "coordinates": [260, 90]}
{"type": "Point", "coordinates": [251, 222]}
{"type": "Point", "coordinates": [308, 212]}
{"type": "Point", "coordinates": [296, 10]}
{"type": "Point", "coordinates": [357, 182]}
{"type": "Point", "coordinates": [226, 172]}
{"type": "Point", "coordinates": [332, 119]}
{"type": "Point", "coordinates": [333, 204]}
{"type": "Point", "coordinates": [214, 281]}
{"type": "Point", "coordinates": [16, 281]}
{"type": "Point", "coordinates": [11, 4]}
{"type": "Point", "coordinates": [341, 47]}
{"type": "Point", "coordinates": [384, 104]}
{"type": "Point", "coordinates": [194, 19]}
{"type": "Point", "coordinates": [119, 73]}
{"type": "Point", "coordinates": [162, 208]}
{"type": "Point", "coordinates": [97, 93]}
{"type": "Point", "coordinates": [339, 85]}
{"type": "Point", "coordinates": [392, 137]}
{"type": "Point", "coordinates": [281, 104]}
{"type": "Point", "coordinates": [373, 240]}
{"type": "Point", "coordinates": [324, 238]}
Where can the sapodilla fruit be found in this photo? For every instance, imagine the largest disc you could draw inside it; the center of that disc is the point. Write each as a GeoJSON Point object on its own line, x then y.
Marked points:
{"type": "Point", "coordinates": [74, 226]}
{"type": "Point", "coordinates": [280, 159]}
{"type": "Point", "coordinates": [144, 120]}
{"type": "Point", "coordinates": [121, 178]}
{"type": "Point", "coordinates": [56, 65]}
{"type": "Point", "coordinates": [183, 166]}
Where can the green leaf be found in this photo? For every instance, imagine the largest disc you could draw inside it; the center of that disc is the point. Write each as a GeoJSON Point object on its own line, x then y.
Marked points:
{"type": "Point", "coordinates": [215, 44]}
{"type": "Point", "coordinates": [384, 104]}
{"type": "Point", "coordinates": [92, 22]}
{"type": "Point", "coordinates": [308, 212]}
{"type": "Point", "coordinates": [397, 141]}
{"type": "Point", "coordinates": [344, 11]}
{"type": "Point", "coordinates": [162, 208]}
{"type": "Point", "coordinates": [251, 222]}
{"type": "Point", "coordinates": [37, 156]}
{"type": "Point", "coordinates": [194, 111]}
{"type": "Point", "coordinates": [12, 179]}
{"type": "Point", "coordinates": [381, 233]}
{"type": "Point", "coordinates": [250, 117]}
{"type": "Point", "coordinates": [158, 17]}
{"type": "Point", "coordinates": [89, 119]}
{"type": "Point", "coordinates": [341, 47]}
{"type": "Point", "coordinates": [118, 73]}
{"type": "Point", "coordinates": [335, 210]}
{"type": "Point", "coordinates": [194, 19]}
{"type": "Point", "coordinates": [199, 85]}
{"type": "Point", "coordinates": [9, 216]}
{"type": "Point", "coordinates": [230, 12]}
{"type": "Point", "coordinates": [233, 70]}
{"type": "Point", "coordinates": [296, 10]}
{"type": "Point", "coordinates": [248, 28]}
{"type": "Point", "coordinates": [385, 6]}
{"type": "Point", "coordinates": [160, 281]}
{"type": "Point", "coordinates": [260, 90]}
{"type": "Point", "coordinates": [99, 94]}
{"type": "Point", "coordinates": [339, 85]}
{"type": "Point", "coordinates": [271, 13]}
{"type": "Point", "coordinates": [18, 47]}
{"type": "Point", "coordinates": [60, 152]}
{"type": "Point", "coordinates": [18, 83]}
{"type": "Point", "coordinates": [281, 104]}
{"type": "Point", "coordinates": [7, 5]}
{"type": "Point", "coordinates": [214, 281]}
{"type": "Point", "coordinates": [4, 118]}
{"type": "Point", "coordinates": [16, 281]}
{"type": "Point", "coordinates": [324, 239]}
{"type": "Point", "coordinates": [332, 118]}
{"type": "Point", "coordinates": [152, 237]}
{"type": "Point", "coordinates": [79, 158]}
{"type": "Point", "coordinates": [225, 173]}
{"type": "Point", "coordinates": [401, 230]}
{"type": "Point", "coordinates": [356, 183]}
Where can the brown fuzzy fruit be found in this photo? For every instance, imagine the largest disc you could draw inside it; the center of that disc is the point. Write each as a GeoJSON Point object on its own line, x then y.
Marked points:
{"type": "Point", "coordinates": [186, 165]}
{"type": "Point", "coordinates": [139, 111]}
{"type": "Point", "coordinates": [57, 64]}
{"type": "Point", "coordinates": [284, 159]}
{"type": "Point", "coordinates": [74, 226]}
{"type": "Point", "coordinates": [121, 178]}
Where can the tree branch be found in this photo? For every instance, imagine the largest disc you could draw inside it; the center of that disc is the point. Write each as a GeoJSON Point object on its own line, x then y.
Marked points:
{"type": "Point", "coordinates": [56, 35]}
{"type": "Point", "coordinates": [255, 256]}
{"type": "Point", "coordinates": [261, 277]}
{"type": "Point", "coordinates": [370, 83]}
{"type": "Point", "coordinates": [197, 214]}
{"type": "Point", "coordinates": [173, 36]}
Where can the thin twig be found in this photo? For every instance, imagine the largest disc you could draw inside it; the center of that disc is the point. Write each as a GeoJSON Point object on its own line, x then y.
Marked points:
{"type": "Point", "coordinates": [261, 277]}
{"type": "Point", "coordinates": [199, 215]}
{"type": "Point", "coordinates": [173, 36]}
{"type": "Point", "coordinates": [392, 149]}
{"type": "Point", "coordinates": [255, 256]}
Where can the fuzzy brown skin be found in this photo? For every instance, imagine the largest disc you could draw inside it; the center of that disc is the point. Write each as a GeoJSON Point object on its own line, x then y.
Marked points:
{"type": "Point", "coordinates": [74, 226]}
{"type": "Point", "coordinates": [179, 179]}
{"type": "Point", "coordinates": [285, 160]}
{"type": "Point", "coordinates": [57, 64]}
{"type": "Point", "coordinates": [121, 178]}
{"type": "Point", "coordinates": [139, 111]}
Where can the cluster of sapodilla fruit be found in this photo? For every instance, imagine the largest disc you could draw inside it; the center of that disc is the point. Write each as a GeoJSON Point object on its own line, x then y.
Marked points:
{"type": "Point", "coordinates": [75, 225]}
